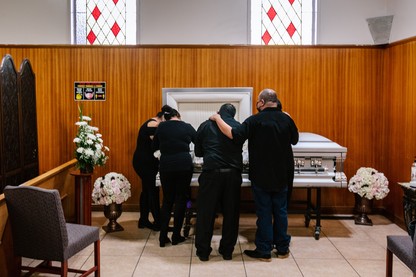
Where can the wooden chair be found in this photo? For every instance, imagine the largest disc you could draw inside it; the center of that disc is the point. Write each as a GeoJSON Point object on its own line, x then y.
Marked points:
{"type": "Point", "coordinates": [40, 232]}
{"type": "Point", "coordinates": [404, 249]}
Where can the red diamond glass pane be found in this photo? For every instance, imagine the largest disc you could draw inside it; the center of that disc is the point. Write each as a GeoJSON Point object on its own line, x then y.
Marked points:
{"type": "Point", "coordinates": [271, 13]}
{"type": "Point", "coordinates": [91, 37]}
{"type": "Point", "coordinates": [291, 29]}
{"type": "Point", "coordinates": [266, 37]}
{"type": "Point", "coordinates": [115, 29]}
{"type": "Point", "coordinates": [291, 2]}
{"type": "Point", "coordinates": [115, 2]}
{"type": "Point", "coordinates": [96, 13]}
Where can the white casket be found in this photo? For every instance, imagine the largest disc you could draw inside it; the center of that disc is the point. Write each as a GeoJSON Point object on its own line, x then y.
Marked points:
{"type": "Point", "coordinates": [319, 162]}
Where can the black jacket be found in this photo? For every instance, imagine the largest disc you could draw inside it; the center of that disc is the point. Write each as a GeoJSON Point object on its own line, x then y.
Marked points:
{"type": "Point", "coordinates": [271, 134]}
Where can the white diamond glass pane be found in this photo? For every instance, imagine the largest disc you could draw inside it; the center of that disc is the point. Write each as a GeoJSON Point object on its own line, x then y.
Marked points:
{"type": "Point", "coordinates": [81, 36]}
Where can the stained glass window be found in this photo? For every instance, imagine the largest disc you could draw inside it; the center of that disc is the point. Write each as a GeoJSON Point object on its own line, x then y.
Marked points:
{"type": "Point", "coordinates": [104, 22]}
{"type": "Point", "coordinates": [283, 22]}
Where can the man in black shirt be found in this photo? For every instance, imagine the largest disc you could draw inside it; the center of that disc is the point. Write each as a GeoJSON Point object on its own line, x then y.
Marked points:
{"type": "Point", "coordinates": [270, 134]}
{"type": "Point", "coordinates": [219, 184]}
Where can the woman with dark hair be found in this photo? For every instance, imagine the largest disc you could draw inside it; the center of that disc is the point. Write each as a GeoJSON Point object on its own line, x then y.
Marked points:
{"type": "Point", "coordinates": [172, 138]}
{"type": "Point", "coordinates": [147, 166]}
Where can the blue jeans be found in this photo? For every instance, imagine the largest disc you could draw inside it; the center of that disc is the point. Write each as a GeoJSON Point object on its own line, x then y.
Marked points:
{"type": "Point", "coordinates": [272, 221]}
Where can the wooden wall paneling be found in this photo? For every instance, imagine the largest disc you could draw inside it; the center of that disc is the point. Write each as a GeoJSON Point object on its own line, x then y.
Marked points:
{"type": "Point", "coordinates": [399, 107]}
{"type": "Point", "coordinates": [332, 91]}
{"type": "Point", "coordinates": [177, 67]}
{"type": "Point", "coordinates": [145, 103]}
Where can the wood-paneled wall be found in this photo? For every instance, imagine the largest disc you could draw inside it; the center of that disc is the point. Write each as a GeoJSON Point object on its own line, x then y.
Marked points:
{"type": "Point", "coordinates": [343, 93]}
{"type": "Point", "coordinates": [397, 142]}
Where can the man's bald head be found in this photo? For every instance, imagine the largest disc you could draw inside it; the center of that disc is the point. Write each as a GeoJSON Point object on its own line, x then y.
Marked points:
{"type": "Point", "coordinates": [268, 95]}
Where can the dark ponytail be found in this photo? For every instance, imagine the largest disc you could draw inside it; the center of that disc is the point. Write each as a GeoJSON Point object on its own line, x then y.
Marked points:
{"type": "Point", "coordinates": [172, 113]}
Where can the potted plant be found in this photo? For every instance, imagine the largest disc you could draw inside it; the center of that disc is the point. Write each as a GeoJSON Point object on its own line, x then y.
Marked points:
{"type": "Point", "coordinates": [90, 151]}
{"type": "Point", "coordinates": [367, 184]}
{"type": "Point", "coordinates": [111, 191]}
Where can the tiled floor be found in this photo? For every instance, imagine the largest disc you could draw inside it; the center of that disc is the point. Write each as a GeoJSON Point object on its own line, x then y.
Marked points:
{"type": "Point", "coordinates": [343, 249]}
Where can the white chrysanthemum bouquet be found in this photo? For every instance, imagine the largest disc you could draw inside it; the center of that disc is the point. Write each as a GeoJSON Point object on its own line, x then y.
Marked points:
{"type": "Point", "coordinates": [369, 183]}
{"type": "Point", "coordinates": [112, 188]}
{"type": "Point", "coordinates": [90, 151]}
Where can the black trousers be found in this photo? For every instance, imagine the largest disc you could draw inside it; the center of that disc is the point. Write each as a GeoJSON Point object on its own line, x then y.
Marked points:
{"type": "Point", "coordinates": [176, 192]}
{"type": "Point", "coordinates": [222, 189]}
{"type": "Point", "coordinates": [149, 197]}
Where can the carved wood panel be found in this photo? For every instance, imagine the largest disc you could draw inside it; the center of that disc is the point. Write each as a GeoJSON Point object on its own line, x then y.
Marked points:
{"type": "Point", "coordinates": [18, 127]}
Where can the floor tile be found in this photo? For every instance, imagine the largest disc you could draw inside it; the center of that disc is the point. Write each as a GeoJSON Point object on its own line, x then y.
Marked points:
{"type": "Point", "coordinates": [375, 268]}
{"type": "Point", "coordinates": [326, 268]}
{"type": "Point", "coordinates": [342, 249]}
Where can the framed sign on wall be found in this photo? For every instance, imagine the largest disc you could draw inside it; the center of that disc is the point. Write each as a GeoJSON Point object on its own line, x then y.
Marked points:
{"type": "Point", "coordinates": [89, 91]}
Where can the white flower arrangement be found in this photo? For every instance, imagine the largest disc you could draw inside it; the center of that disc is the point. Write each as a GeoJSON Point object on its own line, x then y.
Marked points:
{"type": "Point", "coordinates": [369, 183]}
{"type": "Point", "coordinates": [90, 150]}
{"type": "Point", "coordinates": [112, 188]}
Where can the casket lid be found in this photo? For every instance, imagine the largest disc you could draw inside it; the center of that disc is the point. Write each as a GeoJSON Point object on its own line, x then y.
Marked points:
{"type": "Point", "coordinates": [310, 142]}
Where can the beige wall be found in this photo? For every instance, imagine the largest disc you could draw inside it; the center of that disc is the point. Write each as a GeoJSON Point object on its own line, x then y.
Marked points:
{"type": "Point", "coordinates": [202, 22]}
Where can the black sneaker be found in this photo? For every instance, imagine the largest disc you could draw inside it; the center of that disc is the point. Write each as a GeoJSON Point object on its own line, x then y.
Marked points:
{"type": "Point", "coordinates": [177, 239]}
{"type": "Point", "coordinates": [257, 255]}
{"type": "Point", "coordinates": [225, 256]}
{"type": "Point", "coordinates": [201, 257]}
{"type": "Point", "coordinates": [144, 224]}
{"type": "Point", "coordinates": [282, 255]}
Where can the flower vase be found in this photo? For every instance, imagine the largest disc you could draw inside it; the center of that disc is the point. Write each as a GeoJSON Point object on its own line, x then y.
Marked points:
{"type": "Point", "coordinates": [363, 206]}
{"type": "Point", "coordinates": [112, 212]}
{"type": "Point", "coordinates": [88, 169]}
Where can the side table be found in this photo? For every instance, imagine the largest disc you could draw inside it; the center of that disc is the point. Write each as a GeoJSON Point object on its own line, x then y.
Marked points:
{"type": "Point", "coordinates": [409, 203]}
{"type": "Point", "coordinates": [83, 199]}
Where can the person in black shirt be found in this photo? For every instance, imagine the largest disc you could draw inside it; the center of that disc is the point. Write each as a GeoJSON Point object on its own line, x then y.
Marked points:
{"type": "Point", "coordinates": [172, 138]}
{"type": "Point", "coordinates": [270, 134]}
{"type": "Point", "coordinates": [219, 183]}
{"type": "Point", "coordinates": [147, 166]}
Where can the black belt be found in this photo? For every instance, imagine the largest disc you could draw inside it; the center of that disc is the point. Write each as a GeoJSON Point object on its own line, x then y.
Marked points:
{"type": "Point", "coordinates": [223, 170]}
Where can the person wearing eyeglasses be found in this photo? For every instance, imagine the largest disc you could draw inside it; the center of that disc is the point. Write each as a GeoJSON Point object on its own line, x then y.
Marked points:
{"type": "Point", "coordinates": [270, 133]}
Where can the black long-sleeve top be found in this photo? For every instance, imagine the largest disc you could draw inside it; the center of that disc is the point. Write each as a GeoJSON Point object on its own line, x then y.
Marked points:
{"type": "Point", "coordinates": [172, 138]}
{"type": "Point", "coordinates": [271, 134]}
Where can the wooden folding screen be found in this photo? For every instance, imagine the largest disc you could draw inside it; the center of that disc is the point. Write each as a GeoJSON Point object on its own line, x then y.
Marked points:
{"type": "Point", "coordinates": [18, 126]}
